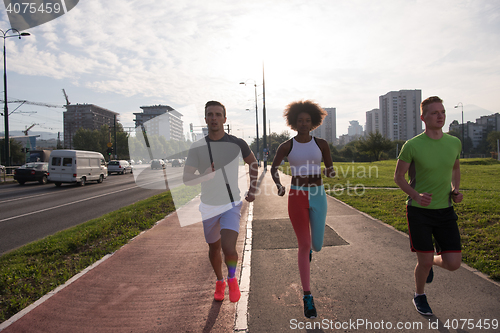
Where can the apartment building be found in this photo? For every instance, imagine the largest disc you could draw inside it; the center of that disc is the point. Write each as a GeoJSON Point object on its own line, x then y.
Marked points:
{"type": "Point", "coordinates": [161, 120]}
{"type": "Point", "coordinates": [372, 121]}
{"type": "Point", "coordinates": [86, 116]}
{"type": "Point", "coordinates": [328, 129]}
{"type": "Point", "coordinates": [354, 129]}
{"type": "Point", "coordinates": [399, 117]}
{"type": "Point", "coordinates": [476, 131]}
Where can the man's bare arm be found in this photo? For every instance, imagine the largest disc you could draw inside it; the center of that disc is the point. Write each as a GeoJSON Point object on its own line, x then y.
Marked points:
{"type": "Point", "coordinates": [402, 167]}
{"type": "Point", "coordinates": [253, 166]}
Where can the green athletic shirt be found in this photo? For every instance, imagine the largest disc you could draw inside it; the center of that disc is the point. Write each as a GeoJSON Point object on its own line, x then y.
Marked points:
{"type": "Point", "coordinates": [431, 165]}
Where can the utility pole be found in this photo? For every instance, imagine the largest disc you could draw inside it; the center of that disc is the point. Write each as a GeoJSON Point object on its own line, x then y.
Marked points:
{"type": "Point", "coordinates": [114, 132]}
{"type": "Point", "coordinates": [264, 117]}
{"type": "Point", "coordinates": [498, 150]}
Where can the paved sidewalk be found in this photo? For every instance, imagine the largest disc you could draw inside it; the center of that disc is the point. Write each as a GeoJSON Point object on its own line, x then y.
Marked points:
{"type": "Point", "coordinates": [161, 281]}
{"type": "Point", "coordinates": [364, 274]}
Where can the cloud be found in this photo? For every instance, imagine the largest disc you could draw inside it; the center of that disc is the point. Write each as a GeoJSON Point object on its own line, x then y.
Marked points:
{"type": "Point", "coordinates": [342, 54]}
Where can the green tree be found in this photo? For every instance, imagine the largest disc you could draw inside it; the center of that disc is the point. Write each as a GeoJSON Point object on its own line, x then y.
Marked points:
{"type": "Point", "coordinates": [97, 140]}
{"type": "Point", "coordinates": [85, 139]}
{"type": "Point", "coordinates": [336, 157]}
{"type": "Point", "coordinates": [374, 145]}
{"type": "Point", "coordinates": [17, 157]}
{"type": "Point", "coordinates": [348, 152]}
{"type": "Point", "coordinates": [104, 139]}
{"type": "Point", "coordinates": [492, 140]}
{"type": "Point", "coordinates": [274, 140]}
{"type": "Point", "coordinates": [121, 142]}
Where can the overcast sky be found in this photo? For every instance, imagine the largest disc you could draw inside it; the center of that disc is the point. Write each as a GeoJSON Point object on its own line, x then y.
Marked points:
{"type": "Point", "coordinates": [123, 54]}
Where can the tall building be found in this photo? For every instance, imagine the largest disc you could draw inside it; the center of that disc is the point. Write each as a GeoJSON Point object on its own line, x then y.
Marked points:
{"type": "Point", "coordinates": [161, 120]}
{"type": "Point", "coordinates": [400, 114]}
{"type": "Point", "coordinates": [372, 121]}
{"type": "Point", "coordinates": [354, 129]}
{"type": "Point", "coordinates": [86, 116]}
{"type": "Point", "coordinates": [328, 129]}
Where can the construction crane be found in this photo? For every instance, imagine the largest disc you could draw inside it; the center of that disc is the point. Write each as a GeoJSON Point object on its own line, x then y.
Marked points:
{"type": "Point", "coordinates": [66, 96]}
{"type": "Point", "coordinates": [30, 103]}
{"type": "Point", "coordinates": [33, 103]}
{"type": "Point", "coordinates": [26, 130]}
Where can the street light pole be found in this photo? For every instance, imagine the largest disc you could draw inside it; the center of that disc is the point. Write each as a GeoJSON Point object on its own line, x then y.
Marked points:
{"type": "Point", "coordinates": [256, 119]}
{"type": "Point", "coordinates": [6, 108]}
{"type": "Point", "coordinates": [463, 140]}
{"type": "Point", "coordinates": [264, 116]}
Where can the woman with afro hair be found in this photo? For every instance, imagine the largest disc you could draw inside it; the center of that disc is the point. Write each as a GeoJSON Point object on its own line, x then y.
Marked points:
{"type": "Point", "coordinates": [307, 198]}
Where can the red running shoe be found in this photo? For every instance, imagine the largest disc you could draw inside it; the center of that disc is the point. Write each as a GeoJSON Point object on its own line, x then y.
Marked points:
{"type": "Point", "coordinates": [220, 288]}
{"type": "Point", "coordinates": [234, 290]}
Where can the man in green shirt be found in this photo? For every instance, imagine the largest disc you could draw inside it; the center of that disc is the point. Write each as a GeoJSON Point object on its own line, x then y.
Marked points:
{"type": "Point", "coordinates": [432, 162]}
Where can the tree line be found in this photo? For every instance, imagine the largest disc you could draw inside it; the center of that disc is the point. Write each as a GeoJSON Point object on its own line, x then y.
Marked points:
{"type": "Point", "coordinates": [97, 140]}
{"type": "Point", "coordinates": [129, 147]}
{"type": "Point", "coordinates": [373, 147]}
{"type": "Point", "coordinates": [370, 148]}
{"type": "Point", "coordinates": [159, 147]}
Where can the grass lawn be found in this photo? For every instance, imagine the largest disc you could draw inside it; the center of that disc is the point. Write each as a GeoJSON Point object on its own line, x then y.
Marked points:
{"type": "Point", "coordinates": [479, 212]}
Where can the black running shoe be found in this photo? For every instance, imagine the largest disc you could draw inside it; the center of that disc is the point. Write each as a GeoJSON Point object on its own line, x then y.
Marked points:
{"type": "Point", "coordinates": [310, 255]}
{"type": "Point", "coordinates": [438, 248]}
{"type": "Point", "coordinates": [430, 277]}
{"type": "Point", "coordinates": [309, 308]}
{"type": "Point", "coordinates": [422, 306]}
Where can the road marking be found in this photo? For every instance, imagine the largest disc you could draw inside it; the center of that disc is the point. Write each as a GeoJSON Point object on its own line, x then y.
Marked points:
{"type": "Point", "coordinates": [22, 198]}
{"type": "Point", "coordinates": [67, 204]}
{"type": "Point", "coordinates": [241, 316]}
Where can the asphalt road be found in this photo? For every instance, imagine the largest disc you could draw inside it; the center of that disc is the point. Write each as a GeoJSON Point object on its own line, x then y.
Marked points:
{"type": "Point", "coordinates": [33, 211]}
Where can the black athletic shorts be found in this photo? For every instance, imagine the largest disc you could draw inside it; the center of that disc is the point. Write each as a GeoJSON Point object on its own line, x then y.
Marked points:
{"type": "Point", "coordinates": [441, 223]}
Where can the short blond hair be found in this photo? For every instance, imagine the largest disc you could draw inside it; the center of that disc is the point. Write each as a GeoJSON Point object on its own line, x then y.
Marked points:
{"type": "Point", "coordinates": [428, 101]}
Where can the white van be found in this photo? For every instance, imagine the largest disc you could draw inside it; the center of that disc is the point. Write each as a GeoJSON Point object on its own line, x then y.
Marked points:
{"type": "Point", "coordinates": [76, 166]}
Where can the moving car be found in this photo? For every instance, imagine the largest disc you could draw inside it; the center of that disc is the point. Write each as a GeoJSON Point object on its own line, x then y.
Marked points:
{"type": "Point", "coordinates": [157, 164]}
{"type": "Point", "coordinates": [76, 166]}
{"type": "Point", "coordinates": [119, 167]}
{"type": "Point", "coordinates": [32, 172]}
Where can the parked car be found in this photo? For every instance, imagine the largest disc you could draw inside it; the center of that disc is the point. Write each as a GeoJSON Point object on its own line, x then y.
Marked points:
{"type": "Point", "coordinates": [176, 163]}
{"type": "Point", "coordinates": [119, 167]}
{"type": "Point", "coordinates": [32, 172]}
{"type": "Point", "coordinates": [157, 164]}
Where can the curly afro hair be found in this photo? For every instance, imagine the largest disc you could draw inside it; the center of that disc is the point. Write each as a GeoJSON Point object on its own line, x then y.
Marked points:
{"type": "Point", "coordinates": [293, 110]}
